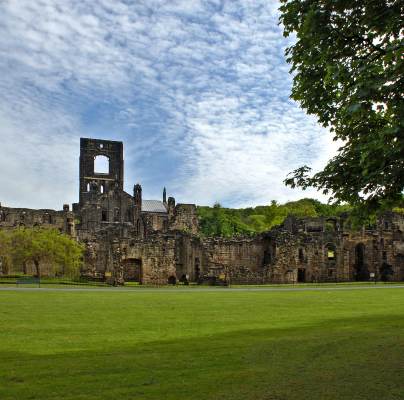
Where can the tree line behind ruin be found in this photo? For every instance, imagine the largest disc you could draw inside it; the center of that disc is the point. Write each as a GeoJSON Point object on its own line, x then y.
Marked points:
{"type": "Point", "coordinates": [228, 222]}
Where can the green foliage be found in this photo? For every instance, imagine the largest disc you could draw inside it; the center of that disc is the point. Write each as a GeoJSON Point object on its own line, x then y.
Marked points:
{"type": "Point", "coordinates": [227, 222]}
{"type": "Point", "coordinates": [5, 251]}
{"type": "Point", "coordinates": [349, 72]}
{"type": "Point", "coordinates": [24, 245]}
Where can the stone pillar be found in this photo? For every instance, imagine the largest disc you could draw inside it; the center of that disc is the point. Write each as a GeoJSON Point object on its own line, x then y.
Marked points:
{"type": "Point", "coordinates": [118, 279]}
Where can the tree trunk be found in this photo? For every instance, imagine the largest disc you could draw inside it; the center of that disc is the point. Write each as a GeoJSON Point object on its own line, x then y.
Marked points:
{"type": "Point", "coordinates": [37, 268]}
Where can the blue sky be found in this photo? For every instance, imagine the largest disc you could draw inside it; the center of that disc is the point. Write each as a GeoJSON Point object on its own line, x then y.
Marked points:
{"type": "Point", "coordinates": [198, 91]}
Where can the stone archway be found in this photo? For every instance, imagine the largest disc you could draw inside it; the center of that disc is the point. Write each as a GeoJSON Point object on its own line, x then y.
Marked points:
{"type": "Point", "coordinates": [132, 270]}
{"type": "Point", "coordinates": [301, 275]}
{"type": "Point", "coordinates": [361, 272]}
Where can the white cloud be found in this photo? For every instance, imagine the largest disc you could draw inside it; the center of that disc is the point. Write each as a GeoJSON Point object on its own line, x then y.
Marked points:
{"type": "Point", "coordinates": [197, 90]}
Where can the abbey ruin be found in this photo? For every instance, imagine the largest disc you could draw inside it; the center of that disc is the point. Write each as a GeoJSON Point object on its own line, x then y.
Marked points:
{"type": "Point", "coordinates": [129, 238]}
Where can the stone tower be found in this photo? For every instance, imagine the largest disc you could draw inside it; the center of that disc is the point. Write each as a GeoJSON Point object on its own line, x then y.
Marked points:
{"type": "Point", "coordinates": [92, 181]}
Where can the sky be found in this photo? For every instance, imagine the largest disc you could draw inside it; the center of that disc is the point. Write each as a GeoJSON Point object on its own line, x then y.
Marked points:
{"type": "Point", "coordinates": [197, 90]}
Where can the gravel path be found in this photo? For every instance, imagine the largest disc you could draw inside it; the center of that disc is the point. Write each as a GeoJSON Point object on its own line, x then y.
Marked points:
{"type": "Point", "coordinates": [205, 289]}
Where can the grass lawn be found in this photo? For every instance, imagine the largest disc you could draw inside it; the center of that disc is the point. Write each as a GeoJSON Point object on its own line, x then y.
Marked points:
{"type": "Point", "coordinates": [202, 345]}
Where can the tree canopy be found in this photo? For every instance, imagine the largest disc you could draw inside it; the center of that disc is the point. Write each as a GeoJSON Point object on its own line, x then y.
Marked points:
{"type": "Point", "coordinates": [60, 252]}
{"type": "Point", "coordinates": [228, 222]}
{"type": "Point", "coordinates": [348, 68]}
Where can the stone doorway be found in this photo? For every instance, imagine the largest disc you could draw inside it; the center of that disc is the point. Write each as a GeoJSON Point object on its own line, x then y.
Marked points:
{"type": "Point", "coordinates": [361, 272]}
{"type": "Point", "coordinates": [301, 275]}
{"type": "Point", "coordinates": [132, 270]}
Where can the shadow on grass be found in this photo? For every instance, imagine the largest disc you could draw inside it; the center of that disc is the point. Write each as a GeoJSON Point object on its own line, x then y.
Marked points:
{"type": "Point", "coordinates": [357, 358]}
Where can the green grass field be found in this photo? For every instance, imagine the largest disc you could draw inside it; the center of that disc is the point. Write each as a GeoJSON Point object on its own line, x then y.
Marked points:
{"type": "Point", "coordinates": [202, 344]}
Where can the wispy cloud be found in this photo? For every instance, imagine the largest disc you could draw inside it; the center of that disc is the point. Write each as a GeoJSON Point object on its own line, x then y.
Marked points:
{"type": "Point", "coordinates": [197, 90]}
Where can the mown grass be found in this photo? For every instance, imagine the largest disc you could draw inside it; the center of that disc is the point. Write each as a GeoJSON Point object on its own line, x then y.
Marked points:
{"type": "Point", "coordinates": [202, 345]}
{"type": "Point", "coordinates": [48, 282]}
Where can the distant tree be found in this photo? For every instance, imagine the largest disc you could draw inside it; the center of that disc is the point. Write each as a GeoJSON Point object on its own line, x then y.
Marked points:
{"type": "Point", "coordinates": [5, 251]}
{"type": "Point", "coordinates": [349, 72]}
{"type": "Point", "coordinates": [62, 253]}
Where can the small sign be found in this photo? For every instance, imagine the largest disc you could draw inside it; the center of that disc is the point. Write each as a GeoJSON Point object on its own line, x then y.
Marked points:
{"type": "Point", "coordinates": [372, 274]}
{"type": "Point", "coordinates": [108, 274]}
{"type": "Point", "coordinates": [222, 277]}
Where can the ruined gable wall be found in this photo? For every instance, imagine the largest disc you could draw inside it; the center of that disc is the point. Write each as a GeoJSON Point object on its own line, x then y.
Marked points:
{"type": "Point", "coordinates": [184, 218]}
{"type": "Point", "coordinates": [155, 221]}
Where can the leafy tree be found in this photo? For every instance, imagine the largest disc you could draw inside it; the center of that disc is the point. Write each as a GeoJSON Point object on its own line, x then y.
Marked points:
{"type": "Point", "coordinates": [349, 72]}
{"type": "Point", "coordinates": [5, 250]}
{"type": "Point", "coordinates": [24, 245]}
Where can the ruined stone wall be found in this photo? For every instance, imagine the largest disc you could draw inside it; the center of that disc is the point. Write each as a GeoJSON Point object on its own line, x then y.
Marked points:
{"type": "Point", "coordinates": [320, 250]}
{"type": "Point", "coordinates": [63, 220]}
{"type": "Point", "coordinates": [377, 249]}
{"type": "Point", "coordinates": [190, 257]}
{"type": "Point", "coordinates": [157, 255]}
{"type": "Point", "coordinates": [111, 207]}
{"type": "Point", "coordinates": [184, 218]}
{"type": "Point", "coordinates": [153, 255]}
{"type": "Point", "coordinates": [156, 221]}
{"type": "Point", "coordinates": [240, 260]}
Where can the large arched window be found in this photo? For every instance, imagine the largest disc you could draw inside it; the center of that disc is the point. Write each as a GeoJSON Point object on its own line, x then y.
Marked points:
{"type": "Point", "coordinates": [101, 165]}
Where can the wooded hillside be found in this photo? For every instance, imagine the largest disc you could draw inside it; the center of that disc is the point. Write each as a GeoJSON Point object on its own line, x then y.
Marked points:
{"type": "Point", "coordinates": [219, 221]}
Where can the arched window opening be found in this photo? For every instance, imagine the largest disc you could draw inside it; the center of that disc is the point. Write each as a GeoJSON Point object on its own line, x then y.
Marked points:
{"type": "Point", "coordinates": [361, 272]}
{"type": "Point", "coordinates": [331, 254]}
{"type": "Point", "coordinates": [88, 187]}
{"type": "Point", "coordinates": [101, 165]}
{"type": "Point", "coordinates": [301, 255]}
{"type": "Point", "coordinates": [117, 215]}
{"type": "Point", "coordinates": [330, 225]}
{"type": "Point", "coordinates": [104, 216]}
{"type": "Point", "coordinates": [102, 188]}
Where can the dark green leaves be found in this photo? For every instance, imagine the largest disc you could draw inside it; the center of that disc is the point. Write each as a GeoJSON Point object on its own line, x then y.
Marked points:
{"type": "Point", "coordinates": [349, 72]}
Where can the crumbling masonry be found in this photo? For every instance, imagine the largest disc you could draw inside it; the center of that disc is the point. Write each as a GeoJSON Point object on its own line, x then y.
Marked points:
{"type": "Point", "coordinates": [129, 238]}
